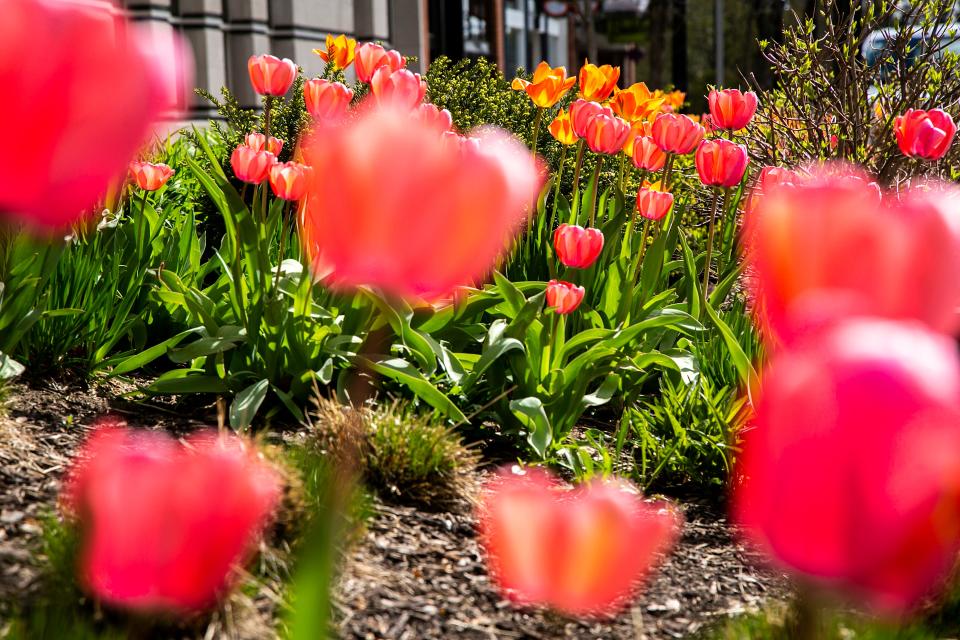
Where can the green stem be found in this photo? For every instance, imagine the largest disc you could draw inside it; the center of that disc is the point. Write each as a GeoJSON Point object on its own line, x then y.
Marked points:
{"type": "Point", "coordinates": [536, 129]}
{"type": "Point", "coordinates": [596, 188]}
{"type": "Point", "coordinates": [706, 263]}
{"type": "Point", "coordinates": [667, 173]}
{"type": "Point", "coordinates": [283, 237]}
{"type": "Point", "coordinates": [556, 188]}
{"type": "Point", "coordinates": [576, 168]}
{"type": "Point", "coordinates": [643, 249]}
{"type": "Point", "coordinates": [266, 143]}
{"type": "Point", "coordinates": [620, 177]}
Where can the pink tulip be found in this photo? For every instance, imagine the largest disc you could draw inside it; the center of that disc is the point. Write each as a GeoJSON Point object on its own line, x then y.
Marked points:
{"type": "Point", "coordinates": [163, 524]}
{"type": "Point", "coordinates": [606, 134]}
{"type": "Point", "coordinates": [731, 109]}
{"type": "Point", "coordinates": [399, 205]}
{"type": "Point", "coordinates": [71, 130]}
{"type": "Point", "coordinates": [256, 142]}
{"type": "Point", "coordinates": [925, 134]}
{"type": "Point", "coordinates": [676, 133]}
{"type": "Point", "coordinates": [721, 163]}
{"type": "Point", "coordinates": [582, 552]}
{"type": "Point", "coordinates": [430, 114]}
{"type": "Point", "coordinates": [851, 468]}
{"type": "Point", "coordinates": [371, 56]}
{"type": "Point", "coordinates": [327, 101]}
{"type": "Point", "coordinates": [564, 297]}
{"type": "Point", "coordinates": [251, 166]}
{"type": "Point", "coordinates": [402, 89]}
{"type": "Point", "coordinates": [582, 113]}
{"type": "Point", "coordinates": [769, 178]}
{"type": "Point", "coordinates": [271, 76]}
{"type": "Point", "coordinates": [653, 204]}
{"type": "Point", "coordinates": [830, 247]}
{"type": "Point", "coordinates": [149, 176]}
{"type": "Point", "coordinates": [577, 247]}
{"type": "Point", "coordinates": [647, 155]}
{"type": "Point", "coordinates": [290, 180]}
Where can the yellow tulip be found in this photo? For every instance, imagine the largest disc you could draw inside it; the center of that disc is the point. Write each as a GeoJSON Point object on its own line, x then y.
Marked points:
{"type": "Point", "coordinates": [562, 129]}
{"type": "Point", "coordinates": [547, 87]}
{"type": "Point", "coordinates": [339, 52]}
{"type": "Point", "coordinates": [597, 83]}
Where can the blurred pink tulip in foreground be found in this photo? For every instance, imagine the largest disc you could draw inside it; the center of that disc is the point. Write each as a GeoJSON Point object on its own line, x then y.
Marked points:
{"type": "Point", "coordinates": [582, 551]}
{"type": "Point", "coordinates": [852, 465]}
{"type": "Point", "coordinates": [164, 523]}
{"type": "Point", "coordinates": [82, 88]}
{"type": "Point", "coordinates": [396, 205]}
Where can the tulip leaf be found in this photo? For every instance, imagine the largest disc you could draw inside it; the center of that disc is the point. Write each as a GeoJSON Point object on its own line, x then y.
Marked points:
{"type": "Point", "coordinates": [405, 373]}
{"type": "Point", "coordinates": [246, 404]}
{"type": "Point", "coordinates": [530, 412]}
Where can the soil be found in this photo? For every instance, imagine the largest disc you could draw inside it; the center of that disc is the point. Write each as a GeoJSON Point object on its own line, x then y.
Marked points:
{"type": "Point", "coordinates": [413, 575]}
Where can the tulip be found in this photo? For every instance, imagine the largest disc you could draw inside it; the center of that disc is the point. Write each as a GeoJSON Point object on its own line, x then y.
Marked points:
{"type": "Point", "coordinates": [564, 297]}
{"type": "Point", "coordinates": [251, 166]}
{"type": "Point", "coordinates": [581, 552]}
{"type": "Point", "coordinates": [731, 109]}
{"type": "Point", "coordinates": [925, 134]}
{"type": "Point", "coordinates": [371, 56]}
{"type": "Point", "coordinates": [672, 100]}
{"type": "Point", "coordinates": [676, 133]}
{"type": "Point", "coordinates": [636, 102]}
{"type": "Point", "coordinates": [769, 178]}
{"type": "Point", "coordinates": [326, 100]}
{"type": "Point", "coordinates": [163, 525]}
{"type": "Point", "coordinates": [801, 239]}
{"type": "Point", "coordinates": [339, 52]}
{"type": "Point", "coordinates": [653, 204]}
{"type": "Point", "coordinates": [721, 163]}
{"type": "Point", "coordinates": [851, 468]}
{"type": "Point", "coordinates": [548, 86]}
{"type": "Point", "coordinates": [638, 129]}
{"type": "Point", "coordinates": [256, 142]}
{"type": "Point", "coordinates": [647, 155]}
{"type": "Point", "coordinates": [562, 129]}
{"type": "Point", "coordinates": [271, 76]}
{"type": "Point", "coordinates": [607, 134]}
{"type": "Point", "coordinates": [432, 115]}
{"type": "Point", "coordinates": [402, 88]}
{"type": "Point", "coordinates": [428, 211]}
{"type": "Point", "coordinates": [289, 180]}
{"type": "Point", "coordinates": [597, 83]}
{"type": "Point", "coordinates": [58, 62]}
{"type": "Point", "coordinates": [149, 176]}
{"type": "Point", "coordinates": [582, 113]}
{"type": "Point", "coordinates": [577, 247]}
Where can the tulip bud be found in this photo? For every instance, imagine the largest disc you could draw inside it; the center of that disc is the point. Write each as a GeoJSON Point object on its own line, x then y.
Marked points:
{"type": "Point", "coordinates": [402, 89]}
{"type": "Point", "coordinates": [677, 134]}
{"type": "Point", "coordinates": [564, 297]}
{"type": "Point", "coordinates": [647, 155]}
{"type": "Point", "coordinates": [582, 112]}
{"type": "Point", "coordinates": [149, 176]}
{"type": "Point", "coordinates": [653, 204]}
{"type": "Point", "coordinates": [290, 180]}
{"type": "Point", "coordinates": [271, 76]}
{"type": "Point", "coordinates": [251, 166]}
{"type": "Point", "coordinates": [925, 134]}
{"type": "Point", "coordinates": [607, 134]}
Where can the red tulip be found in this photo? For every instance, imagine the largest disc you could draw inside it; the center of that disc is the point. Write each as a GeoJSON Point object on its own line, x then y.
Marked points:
{"type": "Point", "coordinates": [564, 297]}
{"type": "Point", "coordinates": [731, 109]}
{"type": "Point", "coordinates": [606, 134]}
{"type": "Point", "coordinates": [426, 211]}
{"type": "Point", "coordinates": [290, 180]}
{"type": "Point", "coordinates": [647, 155]}
{"type": "Point", "coordinates": [653, 204]}
{"type": "Point", "coordinates": [675, 133]}
{"type": "Point", "coordinates": [829, 247]}
{"type": "Point", "coordinates": [582, 113]}
{"type": "Point", "coordinates": [251, 166]}
{"type": "Point", "coordinates": [163, 524]}
{"type": "Point", "coordinates": [271, 76]}
{"type": "Point", "coordinates": [149, 176]}
{"type": "Point", "coordinates": [925, 134]}
{"type": "Point", "coordinates": [370, 56]}
{"type": "Point", "coordinates": [577, 247]}
{"type": "Point", "coordinates": [326, 100]}
{"type": "Point", "coordinates": [721, 163]}
{"type": "Point", "coordinates": [70, 130]}
{"type": "Point", "coordinates": [402, 89]}
{"type": "Point", "coordinates": [851, 469]}
{"type": "Point", "coordinates": [430, 114]}
{"type": "Point", "coordinates": [582, 552]}
{"type": "Point", "coordinates": [256, 142]}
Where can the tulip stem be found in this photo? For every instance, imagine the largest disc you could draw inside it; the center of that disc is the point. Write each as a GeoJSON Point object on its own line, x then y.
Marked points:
{"type": "Point", "coordinates": [667, 171]}
{"type": "Point", "coordinates": [536, 130]}
{"type": "Point", "coordinates": [283, 237]}
{"type": "Point", "coordinates": [556, 189]}
{"type": "Point", "coordinates": [706, 263]}
{"type": "Point", "coordinates": [267, 100]}
{"type": "Point", "coordinates": [620, 177]}
{"type": "Point", "coordinates": [806, 623]}
{"type": "Point", "coordinates": [643, 248]}
{"type": "Point", "coordinates": [596, 188]}
{"type": "Point", "coordinates": [576, 172]}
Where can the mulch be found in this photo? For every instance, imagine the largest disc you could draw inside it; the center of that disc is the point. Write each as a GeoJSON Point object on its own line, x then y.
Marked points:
{"type": "Point", "coordinates": [413, 574]}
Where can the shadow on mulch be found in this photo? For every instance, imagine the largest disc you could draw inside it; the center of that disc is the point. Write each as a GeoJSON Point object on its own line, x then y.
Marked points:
{"type": "Point", "coordinates": [413, 574]}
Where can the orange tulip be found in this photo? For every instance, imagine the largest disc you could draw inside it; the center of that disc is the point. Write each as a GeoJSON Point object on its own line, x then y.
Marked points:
{"type": "Point", "coordinates": [271, 76]}
{"type": "Point", "coordinates": [547, 87]}
{"type": "Point", "coordinates": [672, 100]}
{"type": "Point", "coordinates": [149, 176]}
{"type": "Point", "coordinates": [371, 56]}
{"type": "Point", "coordinates": [562, 129]}
{"type": "Point", "coordinates": [289, 180]}
{"type": "Point", "coordinates": [564, 297]}
{"type": "Point", "coordinates": [597, 83]}
{"type": "Point", "coordinates": [638, 129]}
{"type": "Point", "coordinates": [250, 165]}
{"type": "Point", "coordinates": [652, 203]}
{"type": "Point", "coordinates": [636, 102]}
{"type": "Point", "coordinates": [606, 134]}
{"type": "Point", "coordinates": [256, 142]}
{"type": "Point", "coordinates": [339, 52]}
{"type": "Point", "coordinates": [326, 100]}
{"type": "Point", "coordinates": [647, 155]}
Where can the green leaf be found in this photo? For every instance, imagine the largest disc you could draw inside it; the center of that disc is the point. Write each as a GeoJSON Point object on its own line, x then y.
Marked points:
{"type": "Point", "coordinates": [187, 381]}
{"type": "Point", "coordinates": [530, 412]}
{"type": "Point", "coordinates": [142, 359]}
{"type": "Point", "coordinates": [748, 375]}
{"type": "Point", "coordinates": [246, 403]}
{"type": "Point", "coordinates": [202, 347]}
{"type": "Point", "coordinates": [405, 373]}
